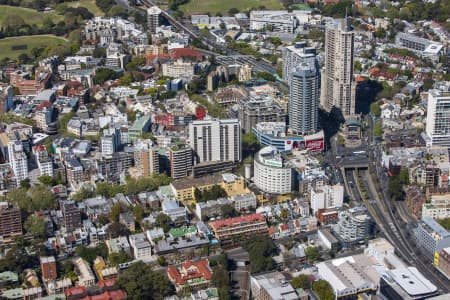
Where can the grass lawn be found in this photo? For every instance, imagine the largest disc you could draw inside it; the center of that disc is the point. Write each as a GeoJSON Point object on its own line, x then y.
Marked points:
{"type": "Point", "coordinates": [89, 4]}
{"type": "Point", "coordinates": [14, 46]}
{"type": "Point", "coordinates": [30, 16]}
{"type": "Point", "coordinates": [222, 6]}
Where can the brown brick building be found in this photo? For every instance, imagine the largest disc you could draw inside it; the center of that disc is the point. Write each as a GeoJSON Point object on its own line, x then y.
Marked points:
{"type": "Point", "coordinates": [10, 222]}
{"type": "Point", "coordinates": [48, 267]}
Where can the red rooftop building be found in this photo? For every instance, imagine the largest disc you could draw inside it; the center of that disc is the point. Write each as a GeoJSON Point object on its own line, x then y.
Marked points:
{"type": "Point", "coordinates": [193, 274]}
{"type": "Point", "coordinates": [231, 232]}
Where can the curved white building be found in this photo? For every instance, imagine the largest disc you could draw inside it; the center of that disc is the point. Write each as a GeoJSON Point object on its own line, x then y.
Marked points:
{"type": "Point", "coordinates": [272, 174]}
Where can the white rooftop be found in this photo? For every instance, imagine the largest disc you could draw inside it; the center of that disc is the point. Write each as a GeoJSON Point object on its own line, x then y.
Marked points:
{"type": "Point", "coordinates": [412, 281]}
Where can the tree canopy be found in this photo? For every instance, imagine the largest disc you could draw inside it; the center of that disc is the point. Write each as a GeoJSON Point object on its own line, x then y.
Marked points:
{"type": "Point", "coordinates": [261, 249]}
{"type": "Point", "coordinates": [301, 281]}
{"type": "Point", "coordinates": [323, 289]}
{"type": "Point", "coordinates": [215, 192]}
{"type": "Point", "coordinates": [140, 282]}
{"type": "Point", "coordinates": [36, 225]}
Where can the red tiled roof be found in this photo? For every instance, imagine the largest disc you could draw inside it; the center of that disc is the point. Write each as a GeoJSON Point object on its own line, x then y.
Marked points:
{"type": "Point", "coordinates": [186, 272]}
{"type": "Point", "coordinates": [184, 52]}
{"type": "Point", "coordinates": [110, 295]}
{"type": "Point", "coordinates": [107, 282]}
{"type": "Point", "coordinates": [241, 219]}
{"type": "Point", "coordinates": [76, 290]}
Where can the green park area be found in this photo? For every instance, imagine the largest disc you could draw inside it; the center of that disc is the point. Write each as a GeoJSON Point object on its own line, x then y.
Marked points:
{"type": "Point", "coordinates": [16, 16]}
{"type": "Point", "coordinates": [89, 4]}
{"type": "Point", "coordinates": [14, 46]}
{"type": "Point", "coordinates": [223, 6]}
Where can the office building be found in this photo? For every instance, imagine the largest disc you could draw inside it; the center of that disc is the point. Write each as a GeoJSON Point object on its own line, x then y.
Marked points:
{"type": "Point", "coordinates": [272, 286]}
{"type": "Point", "coordinates": [353, 226]}
{"type": "Point", "coordinates": [18, 160]}
{"type": "Point", "coordinates": [260, 108]}
{"type": "Point", "coordinates": [216, 140]}
{"type": "Point", "coordinates": [48, 268]}
{"type": "Point", "coordinates": [431, 236]}
{"type": "Point", "coordinates": [338, 86]}
{"type": "Point", "coordinates": [180, 160]}
{"type": "Point", "coordinates": [327, 196]}
{"type": "Point", "coordinates": [304, 99]}
{"type": "Point", "coordinates": [71, 215]}
{"type": "Point", "coordinates": [272, 173]}
{"type": "Point", "coordinates": [146, 158]}
{"type": "Point", "coordinates": [153, 18]}
{"type": "Point", "coordinates": [231, 232]}
{"type": "Point", "coordinates": [437, 126]}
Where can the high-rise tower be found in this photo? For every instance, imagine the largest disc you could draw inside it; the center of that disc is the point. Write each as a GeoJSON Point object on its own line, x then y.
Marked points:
{"type": "Point", "coordinates": [338, 86]}
{"type": "Point", "coordinates": [304, 99]}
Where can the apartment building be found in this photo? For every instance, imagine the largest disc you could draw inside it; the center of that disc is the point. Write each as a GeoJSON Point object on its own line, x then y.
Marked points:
{"type": "Point", "coordinates": [86, 277]}
{"type": "Point", "coordinates": [260, 108]}
{"type": "Point", "coordinates": [10, 222]}
{"type": "Point", "coordinates": [338, 86]}
{"type": "Point", "coordinates": [216, 140]}
{"type": "Point", "coordinates": [353, 226]}
{"type": "Point", "coordinates": [141, 246]}
{"type": "Point", "coordinates": [180, 160]}
{"type": "Point", "coordinates": [179, 68]}
{"type": "Point", "coordinates": [153, 18]}
{"type": "Point", "coordinates": [431, 236]}
{"type": "Point", "coordinates": [18, 160]}
{"type": "Point", "coordinates": [146, 158]}
{"type": "Point", "coordinates": [437, 125]}
{"type": "Point", "coordinates": [71, 215]}
{"type": "Point", "coordinates": [48, 268]}
{"type": "Point", "coordinates": [326, 197]}
{"type": "Point", "coordinates": [230, 232]}
{"type": "Point", "coordinates": [437, 208]}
